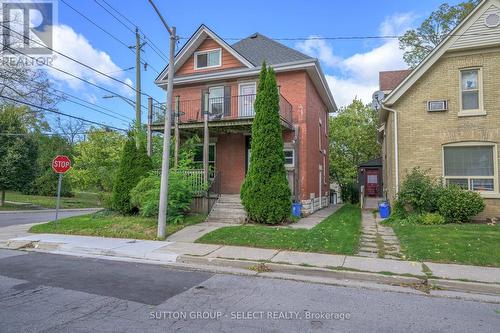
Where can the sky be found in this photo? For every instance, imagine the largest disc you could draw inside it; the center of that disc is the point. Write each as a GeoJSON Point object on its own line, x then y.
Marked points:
{"type": "Point", "coordinates": [350, 66]}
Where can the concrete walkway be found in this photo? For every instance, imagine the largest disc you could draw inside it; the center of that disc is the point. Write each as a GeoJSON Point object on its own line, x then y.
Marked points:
{"type": "Point", "coordinates": [377, 240]}
{"type": "Point", "coordinates": [315, 218]}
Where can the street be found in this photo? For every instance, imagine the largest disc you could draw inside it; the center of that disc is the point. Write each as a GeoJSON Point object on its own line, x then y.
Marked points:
{"type": "Point", "coordinates": [37, 216]}
{"type": "Point", "coordinates": [45, 292]}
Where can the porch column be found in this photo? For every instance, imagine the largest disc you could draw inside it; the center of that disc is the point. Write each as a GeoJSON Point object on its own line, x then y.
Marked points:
{"type": "Point", "coordinates": [206, 138]}
{"type": "Point", "coordinates": [176, 131]}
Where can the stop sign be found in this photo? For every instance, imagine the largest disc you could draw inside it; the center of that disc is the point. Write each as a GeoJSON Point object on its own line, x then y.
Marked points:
{"type": "Point", "coordinates": [61, 164]}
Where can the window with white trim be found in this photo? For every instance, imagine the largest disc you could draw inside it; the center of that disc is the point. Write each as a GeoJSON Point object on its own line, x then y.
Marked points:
{"type": "Point", "coordinates": [198, 156]}
{"type": "Point", "coordinates": [289, 157]}
{"type": "Point", "coordinates": [207, 59]}
{"type": "Point", "coordinates": [470, 90]}
{"type": "Point", "coordinates": [472, 167]}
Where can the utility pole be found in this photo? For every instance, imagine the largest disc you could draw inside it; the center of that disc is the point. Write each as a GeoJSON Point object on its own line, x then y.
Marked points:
{"type": "Point", "coordinates": [138, 46]}
{"type": "Point", "coordinates": [162, 214]}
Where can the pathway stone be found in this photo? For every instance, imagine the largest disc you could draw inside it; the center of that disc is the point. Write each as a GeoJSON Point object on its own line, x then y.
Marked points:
{"type": "Point", "coordinates": [377, 241]}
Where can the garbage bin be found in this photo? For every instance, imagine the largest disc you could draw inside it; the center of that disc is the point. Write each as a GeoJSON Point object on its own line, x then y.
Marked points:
{"type": "Point", "coordinates": [384, 210]}
{"type": "Point", "coordinates": [296, 208]}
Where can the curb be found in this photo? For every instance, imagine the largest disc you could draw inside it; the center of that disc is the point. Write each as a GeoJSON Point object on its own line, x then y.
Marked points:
{"type": "Point", "coordinates": [474, 287]}
{"type": "Point", "coordinates": [49, 210]}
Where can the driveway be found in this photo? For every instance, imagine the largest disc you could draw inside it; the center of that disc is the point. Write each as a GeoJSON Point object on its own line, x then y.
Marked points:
{"type": "Point", "coordinates": [38, 216]}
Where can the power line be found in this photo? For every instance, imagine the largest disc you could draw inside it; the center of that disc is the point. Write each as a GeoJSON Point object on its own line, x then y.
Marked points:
{"type": "Point", "coordinates": [75, 76]}
{"type": "Point", "coordinates": [104, 30]}
{"type": "Point", "coordinates": [348, 37]}
{"type": "Point", "coordinates": [61, 113]}
{"type": "Point", "coordinates": [39, 85]}
{"type": "Point", "coordinates": [77, 61]}
{"type": "Point", "coordinates": [120, 21]}
{"type": "Point", "coordinates": [151, 44]}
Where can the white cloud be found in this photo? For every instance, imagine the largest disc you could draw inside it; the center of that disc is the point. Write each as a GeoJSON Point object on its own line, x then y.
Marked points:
{"type": "Point", "coordinates": [75, 45]}
{"type": "Point", "coordinates": [318, 48]}
{"type": "Point", "coordinates": [358, 74]}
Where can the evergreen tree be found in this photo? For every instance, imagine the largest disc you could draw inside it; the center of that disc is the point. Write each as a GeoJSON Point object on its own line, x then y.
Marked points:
{"type": "Point", "coordinates": [143, 161]}
{"type": "Point", "coordinates": [265, 193]}
{"type": "Point", "coordinates": [127, 177]}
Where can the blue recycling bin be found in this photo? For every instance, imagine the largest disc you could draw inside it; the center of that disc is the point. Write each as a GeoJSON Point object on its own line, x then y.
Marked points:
{"type": "Point", "coordinates": [384, 210]}
{"type": "Point", "coordinates": [296, 208]}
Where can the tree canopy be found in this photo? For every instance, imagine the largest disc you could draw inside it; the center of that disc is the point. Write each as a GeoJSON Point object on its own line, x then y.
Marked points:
{"type": "Point", "coordinates": [418, 43]}
{"type": "Point", "coordinates": [353, 140]}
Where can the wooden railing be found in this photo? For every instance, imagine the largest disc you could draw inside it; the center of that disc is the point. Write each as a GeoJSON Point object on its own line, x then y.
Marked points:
{"type": "Point", "coordinates": [195, 179]}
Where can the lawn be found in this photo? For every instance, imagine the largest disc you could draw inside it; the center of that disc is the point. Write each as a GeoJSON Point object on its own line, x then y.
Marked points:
{"type": "Point", "coordinates": [80, 200]}
{"type": "Point", "coordinates": [474, 244]}
{"type": "Point", "coordinates": [339, 233]}
{"type": "Point", "coordinates": [109, 224]}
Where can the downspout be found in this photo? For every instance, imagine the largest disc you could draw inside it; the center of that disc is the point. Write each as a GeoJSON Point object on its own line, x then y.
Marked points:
{"type": "Point", "coordinates": [396, 158]}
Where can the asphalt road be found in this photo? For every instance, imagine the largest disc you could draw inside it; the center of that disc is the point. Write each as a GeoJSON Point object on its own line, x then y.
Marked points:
{"type": "Point", "coordinates": [35, 216]}
{"type": "Point", "coordinates": [53, 293]}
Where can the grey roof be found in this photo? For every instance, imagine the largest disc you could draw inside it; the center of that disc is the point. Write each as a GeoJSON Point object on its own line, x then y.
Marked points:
{"type": "Point", "coordinates": [371, 163]}
{"type": "Point", "coordinates": [258, 48]}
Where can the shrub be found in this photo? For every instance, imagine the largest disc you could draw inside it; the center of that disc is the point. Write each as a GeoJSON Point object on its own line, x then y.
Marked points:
{"type": "Point", "coordinates": [432, 218]}
{"type": "Point", "coordinates": [418, 192]}
{"type": "Point", "coordinates": [146, 196]}
{"type": "Point", "coordinates": [179, 196]}
{"type": "Point", "coordinates": [46, 184]}
{"type": "Point", "coordinates": [458, 205]}
{"type": "Point", "coordinates": [265, 193]}
{"type": "Point", "coordinates": [349, 193]}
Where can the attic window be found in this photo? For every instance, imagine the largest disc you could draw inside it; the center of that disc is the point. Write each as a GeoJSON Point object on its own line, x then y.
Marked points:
{"type": "Point", "coordinates": [207, 59]}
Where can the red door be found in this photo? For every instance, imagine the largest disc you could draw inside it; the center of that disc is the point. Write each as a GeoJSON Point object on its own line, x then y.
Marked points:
{"type": "Point", "coordinates": [371, 182]}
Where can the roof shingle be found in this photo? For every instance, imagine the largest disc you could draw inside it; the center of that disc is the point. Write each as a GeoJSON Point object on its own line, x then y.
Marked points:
{"type": "Point", "coordinates": [389, 80]}
{"type": "Point", "coordinates": [258, 48]}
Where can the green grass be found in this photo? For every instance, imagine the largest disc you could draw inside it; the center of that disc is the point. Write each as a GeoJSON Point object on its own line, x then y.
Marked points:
{"type": "Point", "coordinates": [473, 244]}
{"type": "Point", "coordinates": [80, 200]}
{"type": "Point", "coordinates": [339, 233]}
{"type": "Point", "coordinates": [109, 224]}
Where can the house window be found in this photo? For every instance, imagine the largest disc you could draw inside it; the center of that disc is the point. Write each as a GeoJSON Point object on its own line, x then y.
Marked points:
{"type": "Point", "coordinates": [472, 167]}
{"type": "Point", "coordinates": [320, 134]}
{"type": "Point", "coordinates": [289, 157]}
{"type": "Point", "coordinates": [216, 101]}
{"type": "Point", "coordinates": [207, 59]}
{"type": "Point", "coordinates": [198, 157]}
{"type": "Point", "coordinates": [470, 91]}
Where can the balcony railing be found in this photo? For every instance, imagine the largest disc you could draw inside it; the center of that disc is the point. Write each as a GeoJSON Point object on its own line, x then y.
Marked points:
{"type": "Point", "coordinates": [219, 109]}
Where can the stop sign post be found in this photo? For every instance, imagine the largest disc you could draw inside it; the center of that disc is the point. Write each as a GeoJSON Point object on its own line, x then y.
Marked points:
{"type": "Point", "coordinates": [60, 164]}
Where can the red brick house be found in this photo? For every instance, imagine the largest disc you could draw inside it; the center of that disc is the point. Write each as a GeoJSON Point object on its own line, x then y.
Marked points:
{"type": "Point", "coordinates": [216, 77]}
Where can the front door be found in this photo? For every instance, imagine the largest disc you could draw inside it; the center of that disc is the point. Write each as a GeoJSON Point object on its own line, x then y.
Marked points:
{"type": "Point", "coordinates": [371, 182]}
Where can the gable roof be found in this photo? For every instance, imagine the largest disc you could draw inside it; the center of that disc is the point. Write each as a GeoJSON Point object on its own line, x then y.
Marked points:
{"type": "Point", "coordinates": [376, 162]}
{"type": "Point", "coordinates": [193, 43]}
{"type": "Point", "coordinates": [257, 48]}
{"type": "Point", "coordinates": [388, 80]}
{"type": "Point", "coordinates": [445, 45]}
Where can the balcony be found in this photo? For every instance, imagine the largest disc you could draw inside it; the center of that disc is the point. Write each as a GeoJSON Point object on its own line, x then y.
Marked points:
{"type": "Point", "coordinates": [222, 111]}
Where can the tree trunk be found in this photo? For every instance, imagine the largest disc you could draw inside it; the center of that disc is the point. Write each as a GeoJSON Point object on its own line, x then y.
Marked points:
{"type": "Point", "coordinates": [2, 198]}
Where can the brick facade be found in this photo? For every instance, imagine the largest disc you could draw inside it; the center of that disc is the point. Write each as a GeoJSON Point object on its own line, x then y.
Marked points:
{"type": "Point", "coordinates": [422, 134]}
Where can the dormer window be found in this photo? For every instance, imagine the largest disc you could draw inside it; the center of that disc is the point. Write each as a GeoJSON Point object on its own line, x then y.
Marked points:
{"type": "Point", "coordinates": [207, 59]}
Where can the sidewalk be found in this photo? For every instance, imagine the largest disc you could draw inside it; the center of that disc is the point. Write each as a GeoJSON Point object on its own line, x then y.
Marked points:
{"type": "Point", "coordinates": [314, 267]}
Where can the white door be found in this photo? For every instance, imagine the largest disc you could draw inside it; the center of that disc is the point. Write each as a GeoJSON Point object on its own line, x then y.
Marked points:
{"type": "Point", "coordinates": [216, 102]}
{"type": "Point", "coordinates": [246, 99]}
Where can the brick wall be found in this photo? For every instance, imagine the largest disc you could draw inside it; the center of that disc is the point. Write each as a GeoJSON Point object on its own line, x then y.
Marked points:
{"type": "Point", "coordinates": [422, 134]}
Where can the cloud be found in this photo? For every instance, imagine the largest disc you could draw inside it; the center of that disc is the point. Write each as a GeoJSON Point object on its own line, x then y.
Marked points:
{"type": "Point", "coordinates": [75, 45]}
{"type": "Point", "coordinates": [318, 48]}
{"type": "Point", "coordinates": [357, 75]}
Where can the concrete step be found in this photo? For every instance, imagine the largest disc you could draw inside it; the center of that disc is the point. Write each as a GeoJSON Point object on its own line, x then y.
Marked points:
{"type": "Point", "coordinates": [226, 220]}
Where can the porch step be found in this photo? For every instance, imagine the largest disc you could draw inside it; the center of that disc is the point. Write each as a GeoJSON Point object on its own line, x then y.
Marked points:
{"type": "Point", "coordinates": [228, 209]}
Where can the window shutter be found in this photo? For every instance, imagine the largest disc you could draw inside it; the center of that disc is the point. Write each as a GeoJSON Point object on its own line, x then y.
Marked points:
{"type": "Point", "coordinates": [204, 103]}
{"type": "Point", "coordinates": [227, 101]}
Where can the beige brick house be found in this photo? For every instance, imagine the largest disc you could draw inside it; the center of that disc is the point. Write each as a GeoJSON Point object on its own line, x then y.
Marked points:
{"type": "Point", "coordinates": [445, 114]}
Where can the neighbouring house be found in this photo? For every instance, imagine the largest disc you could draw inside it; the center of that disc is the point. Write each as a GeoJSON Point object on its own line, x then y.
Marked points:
{"type": "Point", "coordinates": [370, 177]}
{"type": "Point", "coordinates": [444, 115]}
{"type": "Point", "coordinates": [219, 79]}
